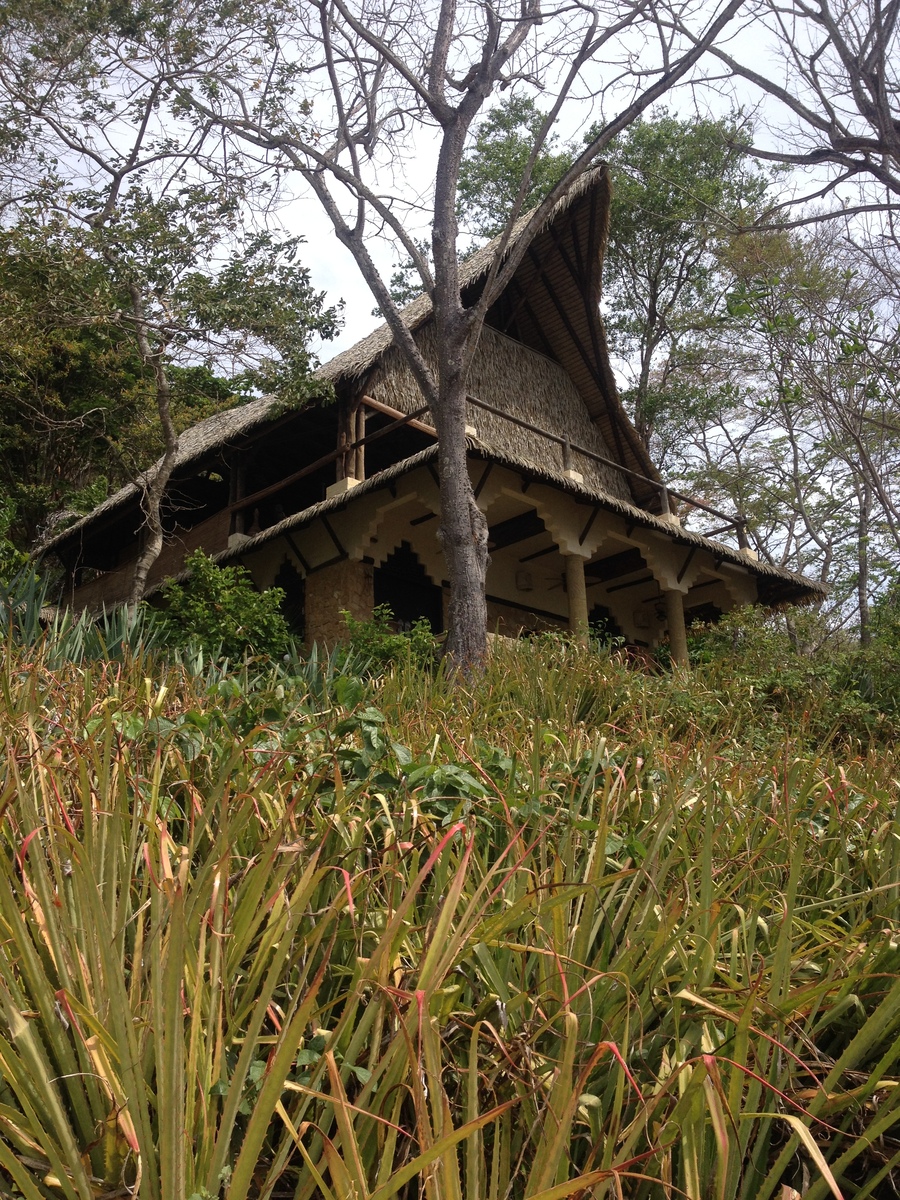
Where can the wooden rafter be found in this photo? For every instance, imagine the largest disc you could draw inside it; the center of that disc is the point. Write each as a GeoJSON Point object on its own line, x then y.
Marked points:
{"type": "Point", "coordinates": [514, 530]}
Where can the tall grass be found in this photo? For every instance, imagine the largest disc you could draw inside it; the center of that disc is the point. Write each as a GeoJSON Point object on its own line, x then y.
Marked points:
{"type": "Point", "coordinates": [289, 935]}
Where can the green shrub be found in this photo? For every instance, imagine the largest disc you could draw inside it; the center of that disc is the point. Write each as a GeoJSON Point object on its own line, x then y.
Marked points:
{"type": "Point", "coordinates": [376, 641]}
{"type": "Point", "coordinates": [220, 610]}
{"type": "Point", "coordinates": [820, 684]}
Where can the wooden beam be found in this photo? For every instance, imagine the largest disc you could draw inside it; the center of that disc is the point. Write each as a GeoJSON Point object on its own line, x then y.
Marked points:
{"type": "Point", "coordinates": [407, 418]}
{"type": "Point", "coordinates": [293, 545]}
{"type": "Point", "coordinates": [273, 488]}
{"type": "Point", "coordinates": [342, 553]}
{"type": "Point", "coordinates": [237, 483]}
{"type": "Point", "coordinates": [589, 526]}
{"type": "Point", "coordinates": [517, 529]}
{"type": "Point", "coordinates": [346, 457]}
{"type": "Point", "coordinates": [539, 553]}
{"type": "Point", "coordinates": [620, 587]}
{"type": "Point", "coordinates": [485, 475]}
{"type": "Point", "coordinates": [525, 304]}
{"type": "Point", "coordinates": [359, 465]}
{"type": "Point", "coordinates": [564, 317]}
{"type": "Point", "coordinates": [616, 565]}
{"type": "Point", "coordinates": [686, 563]}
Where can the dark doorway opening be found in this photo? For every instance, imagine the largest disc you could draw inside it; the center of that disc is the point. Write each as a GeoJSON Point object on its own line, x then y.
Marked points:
{"type": "Point", "coordinates": [293, 606]}
{"type": "Point", "coordinates": [603, 624]}
{"type": "Point", "coordinates": [403, 584]}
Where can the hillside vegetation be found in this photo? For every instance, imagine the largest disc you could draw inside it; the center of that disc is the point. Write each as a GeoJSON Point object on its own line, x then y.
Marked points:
{"type": "Point", "coordinates": [579, 928]}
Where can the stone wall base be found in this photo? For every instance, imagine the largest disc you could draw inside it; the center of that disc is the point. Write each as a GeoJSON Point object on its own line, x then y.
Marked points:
{"type": "Point", "coordinates": [510, 621]}
{"type": "Point", "coordinates": [344, 585]}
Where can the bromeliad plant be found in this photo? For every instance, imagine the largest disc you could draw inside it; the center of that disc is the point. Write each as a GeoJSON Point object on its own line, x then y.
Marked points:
{"type": "Point", "coordinates": [254, 946]}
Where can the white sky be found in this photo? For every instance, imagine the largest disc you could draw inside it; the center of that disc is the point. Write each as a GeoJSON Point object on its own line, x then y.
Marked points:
{"type": "Point", "coordinates": [332, 267]}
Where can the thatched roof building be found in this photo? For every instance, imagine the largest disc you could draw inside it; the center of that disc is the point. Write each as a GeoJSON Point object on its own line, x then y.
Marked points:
{"type": "Point", "coordinates": [338, 503]}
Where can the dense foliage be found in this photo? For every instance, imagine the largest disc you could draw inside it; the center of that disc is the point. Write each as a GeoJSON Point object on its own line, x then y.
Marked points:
{"type": "Point", "coordinates": [378, 642]}
{"type": "Point", "coordinates": [286, 932]}
{"type": "Point", "coordinates": [220, 610]}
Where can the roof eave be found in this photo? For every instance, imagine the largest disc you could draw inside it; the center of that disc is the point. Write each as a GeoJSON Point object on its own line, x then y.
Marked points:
{"type": "Point", "coordinates": [792, 588]}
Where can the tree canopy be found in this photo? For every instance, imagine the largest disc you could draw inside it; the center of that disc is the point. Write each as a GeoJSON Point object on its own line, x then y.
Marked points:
{"type": "Point", "coordinates": [136, 278]}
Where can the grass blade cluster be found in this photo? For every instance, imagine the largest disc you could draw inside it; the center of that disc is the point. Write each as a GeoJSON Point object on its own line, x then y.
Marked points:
{"type": "Point", "coordinates": [294, 935]}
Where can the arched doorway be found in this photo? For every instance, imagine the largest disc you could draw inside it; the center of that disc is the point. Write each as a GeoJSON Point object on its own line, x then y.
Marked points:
{"type": "Point", "coordinates": [603, 624]}
{"type": "Point", "coordinates": [293, 606]}
{"type": "Point", "coordinates": [403, 584]}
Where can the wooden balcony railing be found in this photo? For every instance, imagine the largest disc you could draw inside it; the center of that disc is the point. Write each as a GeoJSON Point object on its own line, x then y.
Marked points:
{"type": "Point", "coordinates": [738, 523]}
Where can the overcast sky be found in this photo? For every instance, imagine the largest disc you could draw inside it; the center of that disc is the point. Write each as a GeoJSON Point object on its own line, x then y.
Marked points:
{"type": "Point", "coordinates": [332, 266]}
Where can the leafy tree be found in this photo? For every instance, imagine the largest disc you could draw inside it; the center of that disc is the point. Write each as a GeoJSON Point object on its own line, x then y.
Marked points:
{"type": "Point", "coordinates": [680, 190]}
{"type": "Point", "coordinates": [68, 388]}
{"type": "Point", "coordinates": [12, 560]}
{"type": "Point", "coordinates": [799, 427]}
{"type": "Point", "coordinates": [828, 359]}
{"type": "Point", "coordinates": [497, 162]}
{"type": "Point", "coordinates": [101, 166]}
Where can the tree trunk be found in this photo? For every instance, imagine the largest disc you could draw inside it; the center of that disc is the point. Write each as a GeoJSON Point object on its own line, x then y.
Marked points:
{"type": "Point", "coordinates": [155, 482]}
{"type": "Point", "coordinates": [463, 531]}
{"type": "Point", "coordinates": [862, 559]}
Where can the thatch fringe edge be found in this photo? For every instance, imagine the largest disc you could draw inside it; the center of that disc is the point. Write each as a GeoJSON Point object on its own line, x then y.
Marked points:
{"type": "Point", "coordinates": [808, 590]}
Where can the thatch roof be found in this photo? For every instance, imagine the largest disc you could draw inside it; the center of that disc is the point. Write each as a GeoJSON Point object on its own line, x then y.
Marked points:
{"type": "Point", "coordinates": [518, 381]}
{"type": "Point", "coordinates": [553, 302]}
{"type": "Point", "coordinates": [193, 445]}
{"type": "Point", "coordinates": [556, 304]}
{"type": "Point", "coordinates": [775, 585]}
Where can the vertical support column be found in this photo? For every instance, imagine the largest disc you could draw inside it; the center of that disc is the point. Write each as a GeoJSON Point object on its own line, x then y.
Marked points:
{"type": "Point", "coordinates": [346, 427]}
{"type": "Point", "coordinates": [237, 489]}
{"type": "Point", "coordinates": [677, 631]}
{"type": "Point", "coordinates": [360, 469]}
{"type": "Point", "coordinates": [577, 592]}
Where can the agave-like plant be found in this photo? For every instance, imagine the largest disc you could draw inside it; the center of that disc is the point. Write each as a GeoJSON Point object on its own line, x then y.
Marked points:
{"type": "Point", "coordinates": [253, 946]}
{"type": "Point", "coordinates": [29, 617]}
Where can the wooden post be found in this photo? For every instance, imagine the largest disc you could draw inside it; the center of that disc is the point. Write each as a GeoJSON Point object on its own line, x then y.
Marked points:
{"type": "Point", "coordinates": [345, 463]}
{"type": "Point", "coordinates": [577, 591]}
{"type": "Point", "coordinates": [237, 489]}
{"type": "Point", "coordinates": [677, 631]}
{"type": "Point", "coordinates": [359, 470]}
